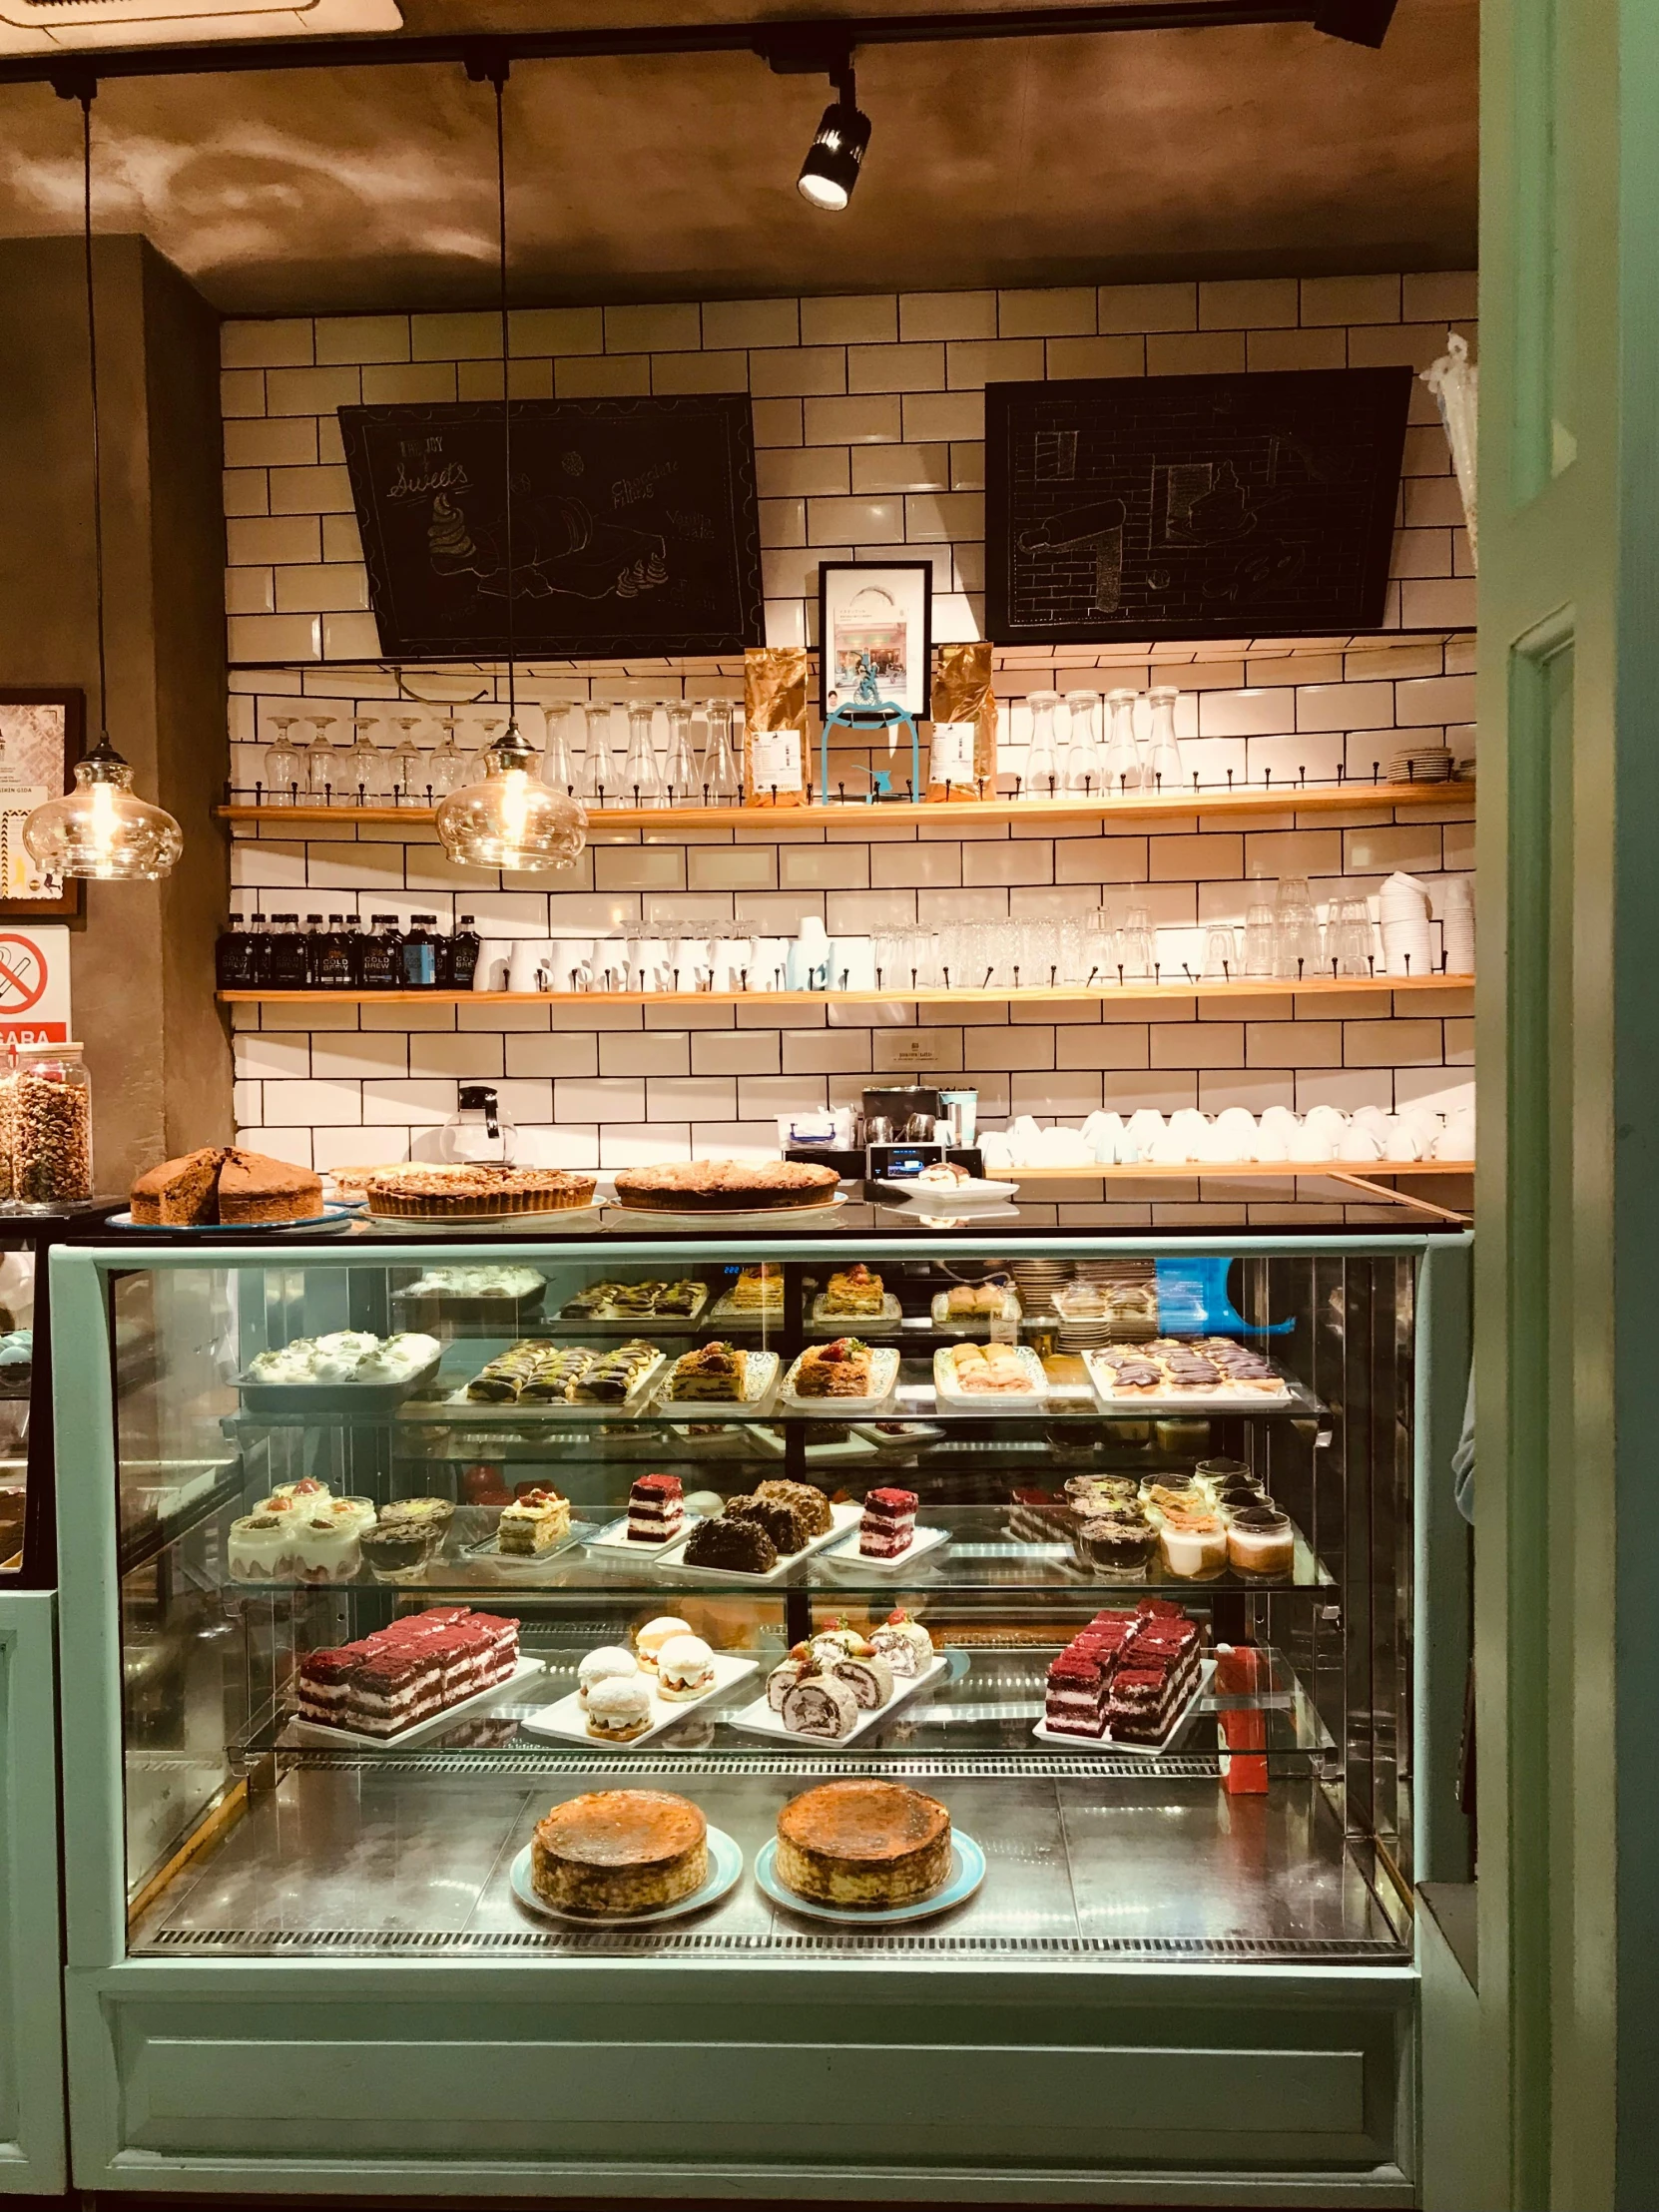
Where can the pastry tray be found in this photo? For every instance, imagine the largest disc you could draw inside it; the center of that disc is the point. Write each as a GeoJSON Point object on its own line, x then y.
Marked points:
{"type": "Point", "coordinates": [946, 1392]}
{"type": "Point", "coordinates": [758, 1718]}
{"type": "Point", "coordinates": [922, 1434]}
{"type": "Point", "coordinates": [739, 1439]}
{"type": "Point", "coordinates": [1229, 1394]}
{"type": "Point", "coordinates": [567, 1723]}
{"type": "Point", "coordinates": [319, 1732]}
{"type": "Point", "coordinates": [724, 1314]}
{"type": "Point", "coordinates": [614, 1538]}
{"type": "Point", "coordinates": [322, 1400]}
{"type": "Point", "coordinates": [848, 1555]}
{"type": "Point", "coordinates": [639, 1324]}
{"type": "Point", "coordinates": [973, 1324]}
{"type": "Point", "coordinates": [760, 1382]}
{"type": "Point", "coordinates": [884, 1364]}
{"type": "Point", "coordinates": [521, 1567]}
{"type": "Point", "coordinates": [848, 1325]}
{"type": "Point", "coordinates": [841, 1518]}
{"type": "Point", "coordinates": [519, 1409]}
{"type": "Point", "coordinates": [1166, 1743]}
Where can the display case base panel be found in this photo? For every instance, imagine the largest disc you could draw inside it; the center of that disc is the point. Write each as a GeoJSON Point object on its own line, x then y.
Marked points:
{"type": "Point", "coordinates": [413, 1859]}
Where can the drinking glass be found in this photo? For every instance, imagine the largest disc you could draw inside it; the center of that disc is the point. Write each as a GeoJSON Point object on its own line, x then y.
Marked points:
{"type": "Point", "coordinates": [1086, 761]}
{"type": "Point", "coordinates": [680, 769]}
{"type": "Point", "coordinates": [1348, 936]}
{"type": "Point", "coordinates": [1261, 941]}
{"type": "Point", "coordinates": [1123, 765]}
{"type": "Point", "coordinates": [1298, 951]}
{"type": "Point", "coordinates": [642, 778]}
{"type": "Point", "coordinates": [1221, 954]}
{"type": "Point", "coordinates": [286, 769]}
{"type": "Point", "coordinates": [558, 771]}
{"type": "Point", "coordinates": [1164, 770]}
{"type": "Point", "coordinates": [1042, 766]}
{"type": "Point", "coordinates": [720, 777]}
{"type": "Point", "coordinates": [598, 779]}
{"type": "Point", "coordinates": [1136, 949]}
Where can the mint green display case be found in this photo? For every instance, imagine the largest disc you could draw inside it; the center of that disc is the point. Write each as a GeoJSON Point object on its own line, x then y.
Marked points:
{"type": "Point", "coordinates": [296, 1962]}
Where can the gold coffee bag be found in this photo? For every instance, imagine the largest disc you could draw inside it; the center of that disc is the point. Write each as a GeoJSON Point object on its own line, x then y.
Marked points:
{"type": "Point", "coordinates": [776, 761]}
{"type": "Point", "coordinates": [963, 757]}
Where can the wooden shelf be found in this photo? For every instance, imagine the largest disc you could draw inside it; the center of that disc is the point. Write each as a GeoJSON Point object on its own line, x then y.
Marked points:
{"type": "Point", "coordinates": [1377, 986]}
{"type": "Point", "coordinates": [1213, 799]}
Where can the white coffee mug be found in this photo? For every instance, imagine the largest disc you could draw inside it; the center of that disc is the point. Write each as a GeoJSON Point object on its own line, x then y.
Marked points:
{"type": "Point", "coordinates": [570, 965]}
{"type": "Point", "coordinates": [495, 962]}
{"type": "Point", "coordinates": [729, 963]}
{"type": "Point", "coordinates": [648, 968]}
{"type": "Point", "coordinates": [531, 958]}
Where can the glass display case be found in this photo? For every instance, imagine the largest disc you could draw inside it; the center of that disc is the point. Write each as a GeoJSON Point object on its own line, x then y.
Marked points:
{"type": "Point", "coordinates": [1026, 1621]}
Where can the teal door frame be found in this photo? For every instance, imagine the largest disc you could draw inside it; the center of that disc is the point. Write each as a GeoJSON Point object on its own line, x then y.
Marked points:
{"type": "Point", "coordinates": [32, 2123]}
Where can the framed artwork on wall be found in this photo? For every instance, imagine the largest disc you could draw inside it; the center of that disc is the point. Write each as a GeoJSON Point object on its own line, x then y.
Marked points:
{"type": "Point", "coordinates": [42, 735]}
{"type": "Point", "coordinates": [875, 636]}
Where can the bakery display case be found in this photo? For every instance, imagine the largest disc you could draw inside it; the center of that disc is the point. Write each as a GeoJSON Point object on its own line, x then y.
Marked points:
{"type": "Point", "coordinates": [919, 1700]}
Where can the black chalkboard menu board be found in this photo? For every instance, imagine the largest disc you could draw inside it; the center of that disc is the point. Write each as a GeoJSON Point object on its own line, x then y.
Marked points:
{"type": "Point", "coordinates": [634, 526]}
{"type": "Point", "coordinates": [1121, 508]}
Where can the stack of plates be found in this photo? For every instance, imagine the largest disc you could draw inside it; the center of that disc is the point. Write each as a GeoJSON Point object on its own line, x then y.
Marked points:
{"type": "Point", "coordinates": [1423, 764]}
{"type": "Point", "coordinates": [1037, 1281]}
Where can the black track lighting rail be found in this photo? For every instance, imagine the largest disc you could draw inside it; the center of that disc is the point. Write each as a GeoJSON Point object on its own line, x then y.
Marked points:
{"type": "Point", "coordinates": [798, 45]}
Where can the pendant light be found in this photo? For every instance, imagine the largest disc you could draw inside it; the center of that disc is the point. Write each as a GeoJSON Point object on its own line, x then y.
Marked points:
{"type": "Point", "coordinates": [101, 829]}
{"type": "Point", "coordinates": [510, 818]}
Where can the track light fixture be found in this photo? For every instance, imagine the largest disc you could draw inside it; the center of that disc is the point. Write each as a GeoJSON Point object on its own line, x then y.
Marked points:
{"type": "Point", "coordinates": [831, 168]}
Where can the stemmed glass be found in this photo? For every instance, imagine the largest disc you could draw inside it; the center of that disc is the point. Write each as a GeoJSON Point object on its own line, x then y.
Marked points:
{"type": "Point", "coordinates": [327, 762]}
{"type": "Point", "coordinates": [445, 765]}
{"type": "Point", "coordinates": [369, 768]}
{"type": "Point", "coordinates": [286, 766]}
{"type": "Point", "coordinates": [680, 769]}
{"type": "Point", "coordinates": [409, 763]}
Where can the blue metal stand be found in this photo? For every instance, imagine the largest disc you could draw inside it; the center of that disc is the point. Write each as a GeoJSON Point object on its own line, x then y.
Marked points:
{"type": "Point", "coordinates": [870, 718]}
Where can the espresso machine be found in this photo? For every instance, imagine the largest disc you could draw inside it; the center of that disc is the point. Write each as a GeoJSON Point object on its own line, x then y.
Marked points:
{"type": "Point", "coordinates": [900, 1130]}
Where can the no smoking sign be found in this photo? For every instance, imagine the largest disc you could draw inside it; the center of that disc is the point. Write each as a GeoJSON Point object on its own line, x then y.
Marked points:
{"type": "Point", "coordinates": [34, 985]}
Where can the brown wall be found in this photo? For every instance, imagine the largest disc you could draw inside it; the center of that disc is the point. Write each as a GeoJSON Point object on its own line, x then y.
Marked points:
{"type": "Point", "coordinates": [142, 959]}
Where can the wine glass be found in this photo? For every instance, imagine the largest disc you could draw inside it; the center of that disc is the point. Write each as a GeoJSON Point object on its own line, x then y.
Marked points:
{"type": "Point", "coordinates": [368, 766]}
{"type": "Point", "coordinates": [286, 771]}
{"type": "Point", "coordinates": [409, 763]}
{"type": "Point", "coordinates": [446, 764]}
{"type": "Point", "coordinates": [327, 762]}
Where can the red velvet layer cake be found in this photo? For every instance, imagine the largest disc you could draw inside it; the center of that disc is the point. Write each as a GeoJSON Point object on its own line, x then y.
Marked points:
{"type": "Point", "coordinates": [889, 1528]}
{"type": "Point", "coordinates": [656, 1509]}
{"type": "Point", "coordinates": [405, 1673]}
{"type": "Point", "coordinates": [1129, 1673]}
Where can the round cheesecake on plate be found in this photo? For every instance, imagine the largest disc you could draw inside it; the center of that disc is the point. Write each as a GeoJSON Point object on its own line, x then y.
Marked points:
{"type": "Point", "coordinates": [619, 1852]}
{"type": "Point", "coordinates": [864, 1842]}
{"type": "Point", "coordinates": [726, 1186]}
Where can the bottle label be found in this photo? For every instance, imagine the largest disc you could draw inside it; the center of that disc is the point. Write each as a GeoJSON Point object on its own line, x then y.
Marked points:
{"type": "Point", "coordinates": [952, 761]}
{"type": "Point", "coordinates": [420, 965]}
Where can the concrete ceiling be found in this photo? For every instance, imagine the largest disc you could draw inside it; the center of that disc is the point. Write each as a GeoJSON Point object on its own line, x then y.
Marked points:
{"type": "Point", "coordinates": [1141, 155]}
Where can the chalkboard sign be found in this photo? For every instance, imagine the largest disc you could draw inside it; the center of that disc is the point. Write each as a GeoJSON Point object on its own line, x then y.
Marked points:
{"type": "Point", "coordinates": [634, 527]}
{"type": "Point", "coordinates": [1122, 508]}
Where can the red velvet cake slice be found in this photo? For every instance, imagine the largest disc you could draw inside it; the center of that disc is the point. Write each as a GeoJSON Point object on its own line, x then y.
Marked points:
{"type": "Point", "coordinates": [1075, 1703]}
{"type": "Point", "coordinates": [889, 1528]}
{"type": "Point", "coordinates": [1145, 1700]}
{"type": "Point", "coordinates": [656, 1509]}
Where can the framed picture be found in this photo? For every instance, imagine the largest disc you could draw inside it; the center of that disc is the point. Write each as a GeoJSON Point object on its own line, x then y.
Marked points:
{"type": "Point", "coordinates": [875, 636]}
{"type": "Point", "coordinates": [42, 735]}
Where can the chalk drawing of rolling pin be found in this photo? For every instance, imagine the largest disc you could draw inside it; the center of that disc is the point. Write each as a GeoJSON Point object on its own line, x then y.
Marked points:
{"type": "Point", "coordinates": [1099, 528]}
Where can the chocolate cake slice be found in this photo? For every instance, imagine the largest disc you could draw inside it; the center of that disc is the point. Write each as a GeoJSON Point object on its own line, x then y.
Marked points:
{"type": "Point", "coordinates": [782, 1521]}
{"type": "Point", "coordinates": [738, 1546]}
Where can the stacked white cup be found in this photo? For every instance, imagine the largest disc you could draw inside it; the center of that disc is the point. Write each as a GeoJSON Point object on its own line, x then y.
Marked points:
{"type": "Point", "coordinates": [1457, 924]}
{"type": "Point", "coordinates": [1402, 912]}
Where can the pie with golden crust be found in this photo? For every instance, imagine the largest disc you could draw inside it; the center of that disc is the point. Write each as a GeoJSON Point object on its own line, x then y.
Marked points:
{"type": "Point", "coordinates": [864, 1842]}
{"type": "Point", "coordinates": [726, 1186]}
{"type": "Point", "coordinates": [619, 1851]}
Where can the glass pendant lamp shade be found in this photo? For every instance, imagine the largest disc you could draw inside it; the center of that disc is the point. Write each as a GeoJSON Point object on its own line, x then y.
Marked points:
{"type": "Point", "coordinates": [510, 818]}
{"type": "Point", "coordinates": [102, 828]}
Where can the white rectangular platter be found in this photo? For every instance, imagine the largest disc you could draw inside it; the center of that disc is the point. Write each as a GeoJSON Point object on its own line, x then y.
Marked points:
{"type": "Point", "coordinates": [946, 1392]}
{"type": "Point", "coordinates": [843, 1517]}
{"type": "Point", "coordinates": [760, 1379]}
{"type": "Point", "coordinates": [973, 1324]}
{"type": "Point", "coordinates": [485, 1410]}
{"type": "Point", "coordinates": [636, 1323]}
{"type": "Point", "coordinates": [518, 1566]}
{"type": "Point", "coordinates": [567, 1722]}
{"type": "Point", "coordinates": [884, 1374]}
{"type": "Point", "coordinates": [614, 1537]}
{"type": "Point", "coordinates": [759, 1719]}
{"type": "Point", "coordinates": [1167, 1742]}
{"type": "Point", "coordinates": [846, 1553]}
{"type": "Point", "coordinates": [319, 1732]}
{"type": "Point", "coordinates": [1173, 1401]}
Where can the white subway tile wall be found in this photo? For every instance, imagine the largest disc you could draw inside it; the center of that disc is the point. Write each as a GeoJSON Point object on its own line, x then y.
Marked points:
{"type": "Point", "coordinates": [868, 424]}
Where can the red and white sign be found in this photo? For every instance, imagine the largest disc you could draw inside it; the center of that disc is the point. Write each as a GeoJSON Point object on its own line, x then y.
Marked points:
{"type": "Point", "coordinates": [34, 985]}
